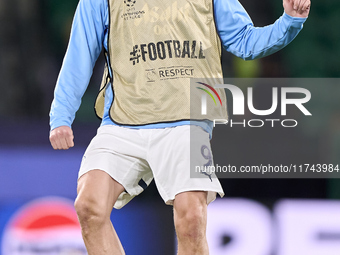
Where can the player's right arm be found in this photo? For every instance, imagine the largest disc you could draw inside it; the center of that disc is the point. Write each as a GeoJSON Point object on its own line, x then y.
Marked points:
{"type": "Point", "coordinates": [61, 138]}
{"type": "Point", "coordinates": [85, 45]}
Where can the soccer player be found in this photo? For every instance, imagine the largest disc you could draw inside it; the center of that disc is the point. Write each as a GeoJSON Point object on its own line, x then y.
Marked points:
{"type": "Point", "coordinates": [152, 48]}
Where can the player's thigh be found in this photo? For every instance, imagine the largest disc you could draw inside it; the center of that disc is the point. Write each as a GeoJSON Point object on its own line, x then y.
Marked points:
{"type": "Point", "coordinates": [120, 153]}
{"type": "Point", "coordinates": [175, 153]}
{"type": "Point", "coordinates": [97, 189]}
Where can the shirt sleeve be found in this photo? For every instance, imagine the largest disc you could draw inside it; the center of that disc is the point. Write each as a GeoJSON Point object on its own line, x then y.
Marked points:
{"type": "Point", "coordinates": [240, 37]}
{"type": "Point", "coordinates": [85, 45]}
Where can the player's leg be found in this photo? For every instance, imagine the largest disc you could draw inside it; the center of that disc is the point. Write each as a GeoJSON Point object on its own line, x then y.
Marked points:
{"type": "Point", "coordinates": [173, 155]}
{"type": "Point", "coordinates": [190, 217]}
{"type": "Point", "coordinates": [120, 152]}
{"type": "Point", "coordinates": [97, 193]}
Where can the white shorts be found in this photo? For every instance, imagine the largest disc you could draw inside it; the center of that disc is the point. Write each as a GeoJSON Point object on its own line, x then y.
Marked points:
{"type": "Point", "coordinates": [133, 157]}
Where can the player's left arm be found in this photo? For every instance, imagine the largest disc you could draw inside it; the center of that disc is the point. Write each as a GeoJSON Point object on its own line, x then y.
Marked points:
{"type": "Point", "coordinates": [240, 37]}
{"type": "Point", "coordinates": [297, 8]}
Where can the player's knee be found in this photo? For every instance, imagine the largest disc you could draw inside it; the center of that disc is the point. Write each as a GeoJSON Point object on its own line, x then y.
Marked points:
{"type": "Point", "coordinates": [90, 213]}
{"type": "Point", "coordinates": [190, 223]}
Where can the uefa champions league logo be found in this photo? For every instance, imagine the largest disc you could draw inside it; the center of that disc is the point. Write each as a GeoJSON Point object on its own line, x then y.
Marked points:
{"type": "Point", "coordinates": [130, 3]}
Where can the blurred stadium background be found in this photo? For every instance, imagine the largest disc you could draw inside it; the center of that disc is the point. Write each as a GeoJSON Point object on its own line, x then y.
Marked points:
{"type": "Point", "coordinates": [258, 217]}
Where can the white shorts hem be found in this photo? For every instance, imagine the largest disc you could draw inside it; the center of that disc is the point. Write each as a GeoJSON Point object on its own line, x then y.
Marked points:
{"type": "Point", "coordinates": [211, 195]}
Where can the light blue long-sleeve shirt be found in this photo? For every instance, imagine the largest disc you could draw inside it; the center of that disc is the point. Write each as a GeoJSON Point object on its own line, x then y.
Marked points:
{"type": "Point", "coordinates": [90, 33]}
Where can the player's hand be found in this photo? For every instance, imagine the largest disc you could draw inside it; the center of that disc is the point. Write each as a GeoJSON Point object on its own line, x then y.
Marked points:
{"type": "Point", "coordinates": [297, 8]}
{"type": "Point", "coordinates": [61, 138]}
